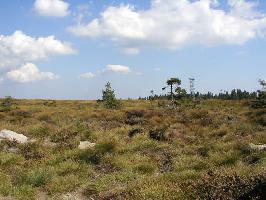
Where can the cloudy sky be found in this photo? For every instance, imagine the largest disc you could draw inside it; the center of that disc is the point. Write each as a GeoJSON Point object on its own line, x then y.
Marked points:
{"type": "Point", "coordinates": [69, 49]}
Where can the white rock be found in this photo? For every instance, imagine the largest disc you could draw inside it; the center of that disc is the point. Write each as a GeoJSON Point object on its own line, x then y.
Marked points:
{"type": "Point", "coordinates": [86, 145]}
{"type": "Point", "coordinates": [13, 136]}
{"type": "Point", "coordinates": [260, 147]}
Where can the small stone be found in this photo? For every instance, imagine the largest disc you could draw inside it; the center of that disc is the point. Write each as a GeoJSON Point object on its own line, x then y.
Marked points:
{"type": "Point", "coordinates": [13, 136]}
{"type": "Point", "coordinates": [86, 145]}
{"type": "Point", "coordinates": [259, 147]}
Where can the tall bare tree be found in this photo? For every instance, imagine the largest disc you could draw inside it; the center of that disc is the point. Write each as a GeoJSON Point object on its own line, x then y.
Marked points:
{"type": "Point", "coordinates": [171, 83]}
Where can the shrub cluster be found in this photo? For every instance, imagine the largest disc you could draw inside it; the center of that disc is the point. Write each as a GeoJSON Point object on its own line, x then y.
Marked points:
{"type": "Point", "coordinates": [227, 186]}
{"type": "Point", "coordinates": [7, 104]}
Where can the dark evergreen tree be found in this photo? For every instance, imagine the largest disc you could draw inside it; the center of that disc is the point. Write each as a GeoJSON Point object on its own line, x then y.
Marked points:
{"type": "Point", "coordinates": [108, 97]}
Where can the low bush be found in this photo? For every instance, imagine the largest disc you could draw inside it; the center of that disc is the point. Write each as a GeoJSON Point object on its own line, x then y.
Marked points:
{"type": "Point", "coordinates": [158, 134]}
{"type": "Point", "coordinates": [7, 104]}
{"type": "Point", "coordinates": [21, 113]}
{"type": "Point", "coordinates": [45, 117]}
{"type": "Point", "coordinates": [134, 117]}
{"type": "Point", "coordinates": [95, 155]}
{"type": "Point", "coordinates": [67, 167]}
{"type": "Point", "coordinates": [145, 168]}
{"type": "Point", "coordinates": [89, 156]}
{"type": "Point", "coordinates": [258, 116]}
{"type": "Point", "coordinates": [202, 116]}
{"type": "Point", "coordinates": [8, 160]}
{"type": "Point", "coordinates": [83, 130]}
{"type": "Point", "coordinates": [227, 186]}
{"type": "Point", "coordinates": [135, 114]}
{"type": "Point", "coordinates": [106, 147]}
{"type": "Point", "coordinates": [40, 131]}
{"type": "Point", "coordinates": [50, 103]}
{"type": "Point", "coordinates": [134, 132]}
{"type": "Point", "coordinates": [90, 190]}
{"type": "Point", "coordinates": [37, 177]}
{"type": "Point", "coordinates": [63, 184]}
{"type": "Point", "coordinates": [32, 151]}
{"type": "Point", "coordinates": [65, 137]}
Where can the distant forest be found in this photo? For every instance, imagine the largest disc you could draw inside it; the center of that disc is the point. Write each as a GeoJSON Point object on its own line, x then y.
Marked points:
{"type": "Point", "coordinates": [235, 94]}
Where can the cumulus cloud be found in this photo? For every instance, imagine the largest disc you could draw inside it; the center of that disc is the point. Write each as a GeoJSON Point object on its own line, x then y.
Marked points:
{"type": "Point", "coordinates": [29, 73]}
{"type": "Point", "coordinates": [174, 23]}
{"type": "Point", "coordinates": [118, 69]}
{"type": "Point", "coordinates": [52, 8]}
{"type": "Point", "coordinates": [87, 75]}
{"type": "Point", "coordinates": [20, 48]}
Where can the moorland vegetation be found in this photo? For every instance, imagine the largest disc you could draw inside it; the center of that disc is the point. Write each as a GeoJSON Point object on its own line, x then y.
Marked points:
{"type": "Point", "coordinates": [145, 149]}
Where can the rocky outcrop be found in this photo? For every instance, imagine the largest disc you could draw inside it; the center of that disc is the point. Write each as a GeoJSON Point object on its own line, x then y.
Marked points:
{"type": "Point", "coordinates": [13, 137]}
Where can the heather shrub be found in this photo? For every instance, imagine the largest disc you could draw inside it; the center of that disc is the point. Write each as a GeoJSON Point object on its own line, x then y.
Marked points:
{"type": "Point", "coordinates": [145, 168]}
{"type": "Point", "coordinates": [65, 137]}
{"type": "Point", "coordinates": [21, 113]}
{"type": "Point", "coordinates": [32, 151]}
{"type": "Point", "coordinates": [95, 155]}
{"type": "Point", "coordinates": [40, 131]}
{"type": "Point", "coordinates": [215, 185]}
{"type": "Point", "coordinates": [63, 184]}
{"type": "Point", "coordinates": [158, 134]}
{"type": "Point", "coordinates": [142, 151]}
{"type": "Point", "coordinates": [37, 177]}
{"type": "Point", "coordinates": [7, 104]}
{"type": "Point", "coordinates": [134, 117]}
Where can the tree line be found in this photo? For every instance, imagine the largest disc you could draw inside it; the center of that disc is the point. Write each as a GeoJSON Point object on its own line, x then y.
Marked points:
{"type": "Point", "coordinates": [176, 92]}
{"type": "Point", "coordinates": [235, 94]}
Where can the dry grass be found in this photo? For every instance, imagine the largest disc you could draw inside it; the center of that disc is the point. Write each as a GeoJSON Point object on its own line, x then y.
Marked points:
{"type": "Point", "coordinates": [197, 139]}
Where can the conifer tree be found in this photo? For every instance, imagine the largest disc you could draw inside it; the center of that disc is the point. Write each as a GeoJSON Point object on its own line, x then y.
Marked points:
{"type": "Point", "coordinates": [108, 97]}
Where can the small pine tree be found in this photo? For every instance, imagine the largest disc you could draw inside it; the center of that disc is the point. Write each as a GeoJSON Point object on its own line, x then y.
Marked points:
{"type": "Point", "coordinates": [109, 99]}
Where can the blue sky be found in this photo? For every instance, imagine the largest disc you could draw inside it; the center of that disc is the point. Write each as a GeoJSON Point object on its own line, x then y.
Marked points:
{"type": "Point", "coordinates": [136, 45]}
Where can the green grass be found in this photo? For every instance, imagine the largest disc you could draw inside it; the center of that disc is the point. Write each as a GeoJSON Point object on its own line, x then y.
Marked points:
{"type": "Point", "coordinates": [209, 137]}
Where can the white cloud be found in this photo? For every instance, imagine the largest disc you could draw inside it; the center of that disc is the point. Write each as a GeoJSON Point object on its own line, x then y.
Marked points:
{"type": "Point", "coordinates": [29, 73]}
{"type": "Point", "coordinates": [19, 48]}
{"type": "Point", "coordinates": [157, 69]}
{"type": "Point", "coordinates": [52, 8]}
{"type": "Point", "coordinates": [242, 8]}
{"type": "Point", "coordinates": [174, 23]}
{"type": "Point", "coordinates": [87, 75]}
{"type": "Point", "coordinates": [118, 69]}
